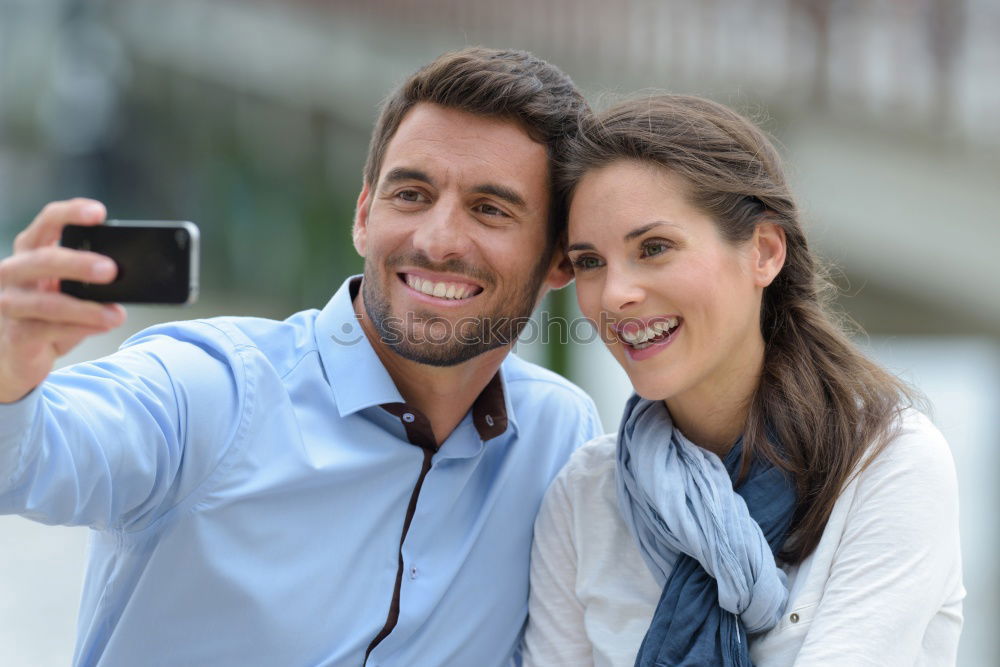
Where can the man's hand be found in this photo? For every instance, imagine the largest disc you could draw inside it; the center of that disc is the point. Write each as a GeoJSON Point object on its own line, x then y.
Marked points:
{"type": "Point", "coordinates": [38, 323]}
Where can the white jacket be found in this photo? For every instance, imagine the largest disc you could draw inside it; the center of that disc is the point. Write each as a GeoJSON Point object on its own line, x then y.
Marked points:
{"type": "Point", "coordinates": [883, 587]}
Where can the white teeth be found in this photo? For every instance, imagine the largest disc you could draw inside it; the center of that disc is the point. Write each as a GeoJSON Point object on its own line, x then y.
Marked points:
{"type": "Point", "coordinates": [639, 338]}
{"type": "Point", "coordinates": [440, 290]}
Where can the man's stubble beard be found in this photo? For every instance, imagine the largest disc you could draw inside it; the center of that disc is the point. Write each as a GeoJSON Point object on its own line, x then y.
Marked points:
{"type": "Point", "coordinates": [484, 332]}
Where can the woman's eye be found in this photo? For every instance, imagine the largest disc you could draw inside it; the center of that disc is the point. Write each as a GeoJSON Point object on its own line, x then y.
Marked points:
{"type": "Point", "coordinates": [653, 248]}
{"type": "Point", "coordinates": [586, 262]}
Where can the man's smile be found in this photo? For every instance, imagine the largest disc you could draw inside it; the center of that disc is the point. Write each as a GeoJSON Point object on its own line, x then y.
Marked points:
{"type": "Point", "coordinates": [440, 287]}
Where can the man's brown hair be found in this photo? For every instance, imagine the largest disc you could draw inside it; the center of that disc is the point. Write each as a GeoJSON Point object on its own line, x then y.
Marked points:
{"type": "Point", "coordinates": [512, 85]}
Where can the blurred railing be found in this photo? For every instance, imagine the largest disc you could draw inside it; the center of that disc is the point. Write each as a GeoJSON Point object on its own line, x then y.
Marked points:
{"type": "Point", "coordinates": [253, 115]}
{"type": "Point", "coordinates": [913, 61]}
{"type": "Point", "coordinates": [921, 63]}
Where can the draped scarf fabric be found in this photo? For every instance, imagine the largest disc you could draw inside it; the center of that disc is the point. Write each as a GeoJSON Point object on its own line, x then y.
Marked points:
{"type": "Point", "coordinates": [712, 549]}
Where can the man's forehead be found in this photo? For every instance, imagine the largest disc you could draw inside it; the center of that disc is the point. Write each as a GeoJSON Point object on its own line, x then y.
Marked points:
{"type": "Point", "coordinates": [435, 138]}
{"type": "Point", "coordinates": [425, 117]}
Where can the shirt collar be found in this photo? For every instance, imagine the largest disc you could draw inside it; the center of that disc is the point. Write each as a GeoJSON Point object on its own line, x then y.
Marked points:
{"type": "Point", "coordinates": [353, 370]}
{"type": "Point", "coordinates": [359, 380]}
{"type": "Point", "coordinates": [489, 411]}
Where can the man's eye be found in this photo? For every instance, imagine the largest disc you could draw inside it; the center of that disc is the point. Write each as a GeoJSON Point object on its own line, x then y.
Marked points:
{"type": "Point", "coordinates": [410, 195]}
{"type": "Point", "coordinates": [586, 263]}
{"type": "Point", "coordinates": [490, 209]}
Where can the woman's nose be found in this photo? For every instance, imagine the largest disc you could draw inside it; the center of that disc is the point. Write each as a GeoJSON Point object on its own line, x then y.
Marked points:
{"type": "Point", "coordinates": [622, 290]}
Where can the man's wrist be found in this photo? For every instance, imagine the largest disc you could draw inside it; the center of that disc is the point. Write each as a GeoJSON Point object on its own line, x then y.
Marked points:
{"type": "Point", "coordinates": [15, 415]}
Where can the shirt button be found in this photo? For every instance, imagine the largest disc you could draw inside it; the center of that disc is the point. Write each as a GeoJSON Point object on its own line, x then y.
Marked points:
{"type": "Point", "coordinates": [794, 618]}
{"type": "Point", "coordinates": [408, 417]}
{"type": "Point", "coordinates": [413, 572]}
{"type": "Point", "coordinates": [489, 420]}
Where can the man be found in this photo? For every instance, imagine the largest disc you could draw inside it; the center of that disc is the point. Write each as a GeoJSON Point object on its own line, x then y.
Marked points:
{"type": "Point", "coordinates": [350, 486]}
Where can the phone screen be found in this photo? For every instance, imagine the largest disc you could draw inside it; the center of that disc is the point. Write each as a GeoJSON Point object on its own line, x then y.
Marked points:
{"type": "Point", "coordinates": [157, 261]}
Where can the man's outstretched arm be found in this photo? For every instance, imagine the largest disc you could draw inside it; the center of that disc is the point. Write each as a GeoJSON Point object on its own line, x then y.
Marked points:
{"type": "Point", "coordinates": [38, 323]}
{"type": "Point", "coordinates": [110, 443]}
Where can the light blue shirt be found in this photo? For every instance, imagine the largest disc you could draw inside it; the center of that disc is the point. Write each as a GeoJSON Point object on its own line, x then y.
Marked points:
{"type": "Point", "coordinates": [247, 495]}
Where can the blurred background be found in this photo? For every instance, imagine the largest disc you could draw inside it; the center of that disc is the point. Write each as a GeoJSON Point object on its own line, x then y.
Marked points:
{"type": "Point", "coordinates": [252, 119]}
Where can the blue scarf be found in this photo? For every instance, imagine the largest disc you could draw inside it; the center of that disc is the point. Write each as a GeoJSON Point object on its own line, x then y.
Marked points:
{"type": "Point", "coordinates": [712, 549]}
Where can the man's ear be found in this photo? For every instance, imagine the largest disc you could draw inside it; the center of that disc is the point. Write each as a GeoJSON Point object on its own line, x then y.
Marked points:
{"type": "Point", "coordinates": [360, 231]}
{"type": "Point", "coordinates": [768, 254]}
{"type": "Point", "coordinates": [561, 269]}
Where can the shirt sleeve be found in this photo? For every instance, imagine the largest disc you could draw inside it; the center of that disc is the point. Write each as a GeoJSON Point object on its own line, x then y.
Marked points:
{"type": "Point", "coordinates": [117, 442]}
{"type": "Point", "coordinates": [555, 633]}
{"type": "Point", "coordinates": [898, 561]}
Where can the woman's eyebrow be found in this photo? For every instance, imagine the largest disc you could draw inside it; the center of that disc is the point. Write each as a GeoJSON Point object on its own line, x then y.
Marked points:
{"type": "Point", "coordinates": [635, 233]}
{"type": "Point", "coordinates": [639, 231]}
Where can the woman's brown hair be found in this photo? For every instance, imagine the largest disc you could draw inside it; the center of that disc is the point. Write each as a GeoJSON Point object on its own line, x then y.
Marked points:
{"type": "Point", "coordinates": [822, 410]}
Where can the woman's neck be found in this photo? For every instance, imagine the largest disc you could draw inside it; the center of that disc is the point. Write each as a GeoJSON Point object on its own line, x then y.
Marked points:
{"type": "Point", "coordinates": [714, 415]}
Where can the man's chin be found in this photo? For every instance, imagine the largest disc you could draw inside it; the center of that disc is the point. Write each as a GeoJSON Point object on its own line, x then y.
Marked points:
{"type": "Point", "coordinates": [441, 356]}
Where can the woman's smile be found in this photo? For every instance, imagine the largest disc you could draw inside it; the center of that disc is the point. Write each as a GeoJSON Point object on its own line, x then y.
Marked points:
{"type": "Point", "coordinates": [642, 340]}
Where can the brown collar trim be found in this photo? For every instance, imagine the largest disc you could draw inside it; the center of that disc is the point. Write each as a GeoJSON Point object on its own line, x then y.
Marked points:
{"type": "Point", "coordinates": [489, 415]}
{"type": "Point", "coordinates": [489, 412]}
{"type": "Point", "coordinates": [417, 425]}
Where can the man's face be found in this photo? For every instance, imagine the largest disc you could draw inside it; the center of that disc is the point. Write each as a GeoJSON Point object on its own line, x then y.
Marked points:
{"type": "Point", "coordinates": [454, 236]}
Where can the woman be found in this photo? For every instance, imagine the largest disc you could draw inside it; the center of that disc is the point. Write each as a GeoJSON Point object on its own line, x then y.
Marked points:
{"type": "Point", "coordinates": [771, 495]}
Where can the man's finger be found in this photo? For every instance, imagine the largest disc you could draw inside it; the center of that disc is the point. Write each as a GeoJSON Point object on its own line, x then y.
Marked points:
{"type": "Point", "coordinates": [53, 262]}
{"type": "Point", "coordinates": [67, 338]}
{"type": "Point", "coordinates": [20, 306]}
{"type": "Point", "coordinates": [41, 343]}
{"type": "Point", "coordinates": [47, 226]}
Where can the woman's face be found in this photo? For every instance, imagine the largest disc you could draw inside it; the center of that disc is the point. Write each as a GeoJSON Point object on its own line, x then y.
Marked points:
{"type": "Point", "coordinates": [677, 305]}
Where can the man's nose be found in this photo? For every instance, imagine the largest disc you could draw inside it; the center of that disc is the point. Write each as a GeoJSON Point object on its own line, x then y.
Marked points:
{"type": "Point", "coordinates": [442, 234]}
{"type": "Point", "coordinates": [622, 289]}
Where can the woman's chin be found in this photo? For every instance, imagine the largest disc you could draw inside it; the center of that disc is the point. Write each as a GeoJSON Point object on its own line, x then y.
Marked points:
{"type": "Point", "coordinates": [651, 391]}
{"type": "Point", "coordinates": [649, 388]}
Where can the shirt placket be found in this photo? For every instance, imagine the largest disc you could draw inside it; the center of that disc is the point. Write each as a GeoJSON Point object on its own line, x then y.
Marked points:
{"type": "Point", "coordinates": [420, 434]}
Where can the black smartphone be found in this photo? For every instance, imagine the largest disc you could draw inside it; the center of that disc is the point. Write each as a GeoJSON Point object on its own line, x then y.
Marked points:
{"type": "Point", "coordinates": [157, 260]}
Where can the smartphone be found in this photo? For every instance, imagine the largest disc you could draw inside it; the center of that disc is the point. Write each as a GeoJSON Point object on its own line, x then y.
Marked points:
{"type": "Point", "coordinates": [157, 260]}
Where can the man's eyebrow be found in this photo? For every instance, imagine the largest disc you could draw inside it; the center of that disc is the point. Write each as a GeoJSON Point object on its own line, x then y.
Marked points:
{"type": "Point", "coordinates": [406, 174]}
{"type": "Point", "coordinates": [501, 192]}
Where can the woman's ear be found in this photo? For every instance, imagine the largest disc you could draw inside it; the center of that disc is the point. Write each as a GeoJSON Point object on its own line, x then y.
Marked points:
{"type": "Point", "coordinates": [768, 252]}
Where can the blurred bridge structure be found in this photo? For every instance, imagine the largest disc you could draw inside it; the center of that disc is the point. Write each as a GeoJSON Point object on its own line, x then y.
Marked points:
{"type": "Point", "coordinates": [887, 110]}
